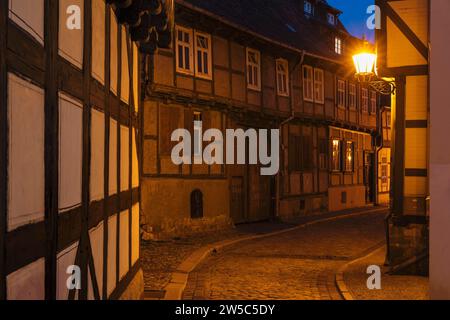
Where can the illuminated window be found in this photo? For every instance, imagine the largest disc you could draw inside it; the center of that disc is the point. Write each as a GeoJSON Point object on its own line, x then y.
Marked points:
{"type": "Point", "coordinates": [203, 55]}
{"type": "Point", "coordinates": [338, 45]}
{"type": "Point", "coordinates": [184, 51]}
{"type": "Point", "coordinates": [341, 94]}
{"type": "Point", "coordinates": [308, 79]}
{"type": "Point", "coordinates": [349, 156]}
{"type": "Point", "coordinates": [352, 96]}
{"type": "Point", "coordinates": [319, 92]}
{"type": "Point", "coordinates": [253, 69]}
{"type": "Point", "coordinates": [365, 100]}
{"type": "Point", "coordinates": [336, 155]}
{"type": "Point", "coordinates": [282, 77]}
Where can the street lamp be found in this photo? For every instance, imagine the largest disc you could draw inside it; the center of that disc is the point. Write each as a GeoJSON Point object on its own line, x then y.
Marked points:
{"type": "Point", "coordinates": [366, 72]}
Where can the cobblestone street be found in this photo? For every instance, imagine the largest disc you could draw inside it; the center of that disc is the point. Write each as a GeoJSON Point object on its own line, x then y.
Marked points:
{"type": "Point", "coordinates": [299, 264]}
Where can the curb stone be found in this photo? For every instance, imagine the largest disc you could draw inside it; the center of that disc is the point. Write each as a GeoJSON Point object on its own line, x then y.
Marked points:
{"type": "Point", "coordinates": [174, 290]}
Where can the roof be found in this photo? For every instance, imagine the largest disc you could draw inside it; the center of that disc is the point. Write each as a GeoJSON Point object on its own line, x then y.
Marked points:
{"type": "Point", "coordinates": [282, 21]}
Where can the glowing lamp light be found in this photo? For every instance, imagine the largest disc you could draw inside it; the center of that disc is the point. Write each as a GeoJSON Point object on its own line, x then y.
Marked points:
{"type": "Point", "coordinates": [365, 64]}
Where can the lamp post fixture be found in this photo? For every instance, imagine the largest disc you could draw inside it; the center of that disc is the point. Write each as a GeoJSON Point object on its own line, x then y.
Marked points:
{"type": "Point", "coordinates": [366, 72]}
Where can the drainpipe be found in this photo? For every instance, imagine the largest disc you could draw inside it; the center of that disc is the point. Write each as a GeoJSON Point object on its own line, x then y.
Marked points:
{"type": "Point", "coordinates": [280, 128]}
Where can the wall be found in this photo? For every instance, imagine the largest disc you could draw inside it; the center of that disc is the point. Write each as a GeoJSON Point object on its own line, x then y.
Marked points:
{"type": "Point", "coordinates": [439, 155]}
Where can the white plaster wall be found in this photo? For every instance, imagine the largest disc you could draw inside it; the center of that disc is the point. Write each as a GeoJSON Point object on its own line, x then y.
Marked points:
{"type": "Point", "coordinates": [98, 40]}
{"type": "Point", "coordinates": [124, 158]}
{"type": "Point", "coordinates": [440, 152]}
{"type": "Point", "coordinates": [136, 76]}
{"type": "Point", "coordinates": [125, 72]}
{"type": "Point", "coordinates": [26, 153]}
{"type": "Point", "coordinates": [112, 253]}
{"type": "Point", "coordinates": [124, 244]}
{"type": "Point", "coordinates": [70, 152]}
{"type": "Point", "coordinates": [113, 157]}
{"type": "Point", "coordinates": [70, 41]}
{"type": "Point", "coordinates": [135, 163]}
{"type": "Point", "coordinates": [65, 259]}
{"type": "Point", "coordinates": [29, 15]}
{"type": "Point", "coordinates": [114, 51]}
{"type": "Point", "coordinates": [27, 283]}
{"type": "Point", "coordinates": [135, 234]}
{"type": "Point", "coordinates": [96, 237]}
{"type": "Point", "coordinates": [97, 155]}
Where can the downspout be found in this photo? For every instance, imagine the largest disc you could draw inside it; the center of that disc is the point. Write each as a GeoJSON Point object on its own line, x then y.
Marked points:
{"type": "Point", "coordinates": [280, 127]}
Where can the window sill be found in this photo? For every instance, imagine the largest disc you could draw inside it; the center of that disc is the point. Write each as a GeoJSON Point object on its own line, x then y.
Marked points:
{"type": "Point", "coordinates": [256, 89]}
{"type": "Point", "coordinates": [185, 73]}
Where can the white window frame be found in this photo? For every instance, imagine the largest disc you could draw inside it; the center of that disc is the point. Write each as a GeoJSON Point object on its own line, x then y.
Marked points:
{"type": "Point", "coordinates": [341, 94]}
{"type": "Point", "coordinates": [331, 18]}
{"type": "Point", "coordinates": [208, 52]}
{"type": "Point", "coordinates": [284, 92]}
{"type": "Point", "coordinates": [373, 102]}
{"type": "Point", "coordinates": [308, 7]}
{"type": "Point", "coordinates": [352, 96]}
{"type": "Point", "coordinates": [308, 83]}
{"type": "Point", "coordinates": [365, 100]}
{"type": "Point", "coordinates": [337, 45]}
{"type": "Point", "coordinates": [254, 66]}
{"type": "Point", "coordinates": [185, 45]}
{"type": "Point", "coordinates": [319, 86]}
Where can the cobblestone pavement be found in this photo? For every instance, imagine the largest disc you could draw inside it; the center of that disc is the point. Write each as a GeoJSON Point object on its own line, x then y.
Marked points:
{"type": "Point", "coordinates": [299, 264]}
{"type": "Point", "coordinates": [393, 287]}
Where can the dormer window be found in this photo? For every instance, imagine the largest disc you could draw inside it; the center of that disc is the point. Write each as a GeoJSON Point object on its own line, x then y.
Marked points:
{"type": "Point", "coordinates": [308, 8]}
{"type": "Point", "coordinates": [338, 45]}
{"type": "Point", "coordinates": [331, 19]}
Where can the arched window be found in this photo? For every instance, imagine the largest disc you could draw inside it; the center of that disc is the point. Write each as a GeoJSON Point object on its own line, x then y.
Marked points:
{"type": "Point", "coordinates": [196, 204]}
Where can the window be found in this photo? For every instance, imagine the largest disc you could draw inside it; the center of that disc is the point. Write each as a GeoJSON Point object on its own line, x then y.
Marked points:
{"type": "Point", "coordinates": [373, 102]}
{"type": "Point", "coordinates": [308, 7]}
{"type": "Point", "coordinates": [203, 60]}
{"type": "Point", "coordinates": [295, 153]}
{"type": "Point", "coordinates": [184, 51]}
{"type": "Point", "coordinates": [365, 100]}
{"type": "Point", "coordinates": [349, 156]}
{"type": "Point", "coordinates": [336, 156]}
{"type": "Point", "coordinates": [196, 204]}
{"type": "Point", "coordinates": [308, 83]}
{"type": "Point", "coordinates": [282, 77]}
{"type": "Point", "coordinates": [253, 69]}
{"type": "Point", "coordinates": [338, 45]}
{"type": "Point", "coordinates": [341, 94]}
{"type": "Point", "coordinates": [319, 92]}
{"type": "Point", "coordinates": [307, 153]}
{"type": "Point", "coordinates": [352, 96]}
{"type": "Point", "coordinates": [323, 154]}
{"type": "Point", "coordinates": [331, 19]}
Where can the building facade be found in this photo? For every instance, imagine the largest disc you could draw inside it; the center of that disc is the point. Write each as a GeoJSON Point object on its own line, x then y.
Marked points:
{"type": "Point", "coordinates": [230, 68]}
{"type": "Point", "coordinates": [69, 183]}
{"type": "Point", "coordinates": [403, 48]}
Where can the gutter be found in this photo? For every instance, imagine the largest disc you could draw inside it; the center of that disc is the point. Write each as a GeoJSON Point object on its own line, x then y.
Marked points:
{"type": "Point", "coordinates": [255, 34]}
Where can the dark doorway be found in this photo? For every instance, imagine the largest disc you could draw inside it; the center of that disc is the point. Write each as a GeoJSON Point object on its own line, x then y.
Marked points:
{"type": "Point", "coordinates": [369, 176]}
{"type": "Point", "coordinates": [196, 204]}
{"type": "Point", "coordinates": [237, 199]}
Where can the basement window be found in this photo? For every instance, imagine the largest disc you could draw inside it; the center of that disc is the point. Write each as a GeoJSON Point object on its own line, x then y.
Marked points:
{"type": "Point", "coordinates": [196, 204]}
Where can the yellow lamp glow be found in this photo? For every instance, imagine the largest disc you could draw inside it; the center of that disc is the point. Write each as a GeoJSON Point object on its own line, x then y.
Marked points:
{"type": "Point", "coordinates": [365, 63]}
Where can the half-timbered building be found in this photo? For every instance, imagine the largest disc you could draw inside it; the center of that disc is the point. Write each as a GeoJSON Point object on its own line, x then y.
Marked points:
{"type": "Point", "coordinates": [257, 64]}
{"type": "Point", "coordinates": [69, 173]}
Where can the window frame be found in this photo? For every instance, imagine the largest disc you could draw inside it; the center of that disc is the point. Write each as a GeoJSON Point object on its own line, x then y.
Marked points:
{"type": "Point", "coordinates": [338, 156]}
{"type": "Point", "coordinates": [252, 86]}
{"type": "Point", "coordinates": [339, 91]}
{"type": "Point", "coordinates": [308, 83]}
{"type": "Point", "coordinates": [338, 45]}
{"type": "Point", "coordinates": [322, 86]}
{"type": "Point", "coordinates": [352, 98]}
{"type": "Point", "coordinates": [331, 18]}
{"type": "Point", "coordinates": [364, 100]}
{"type": "Point", "coordinates": [345, 155]}
{"type": "Point", "coordinates": [190, 45]}
{"type": "Point", "coordinates": [373, 99]}
{"type": "Point", "coordinates": [285, 74]}
{"type": "Point", "coordinates": [309, 5]}
{"type": "Point", "coordinates": [198, 74]}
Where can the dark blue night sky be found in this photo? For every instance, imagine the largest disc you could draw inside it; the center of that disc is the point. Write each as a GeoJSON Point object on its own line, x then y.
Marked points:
{"type": "Point", "coordinates": [355, 16]}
